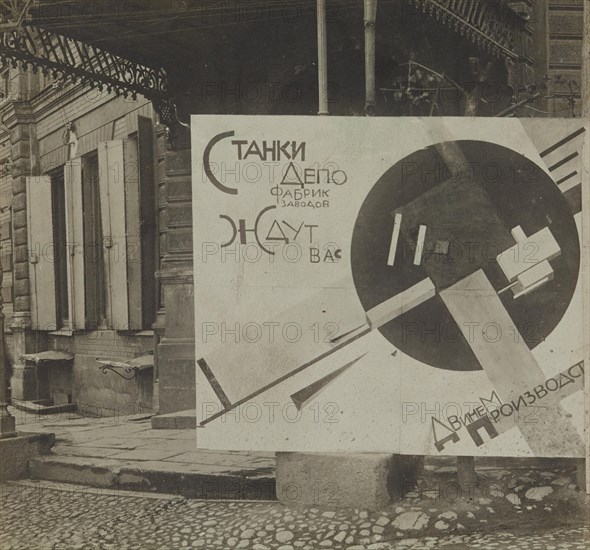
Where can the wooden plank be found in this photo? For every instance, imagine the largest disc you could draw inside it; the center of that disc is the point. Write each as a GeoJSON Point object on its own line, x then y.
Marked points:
{"type": "Point", "coordinates": [75, 243]}
{"type": "Point", "coordinates": [41, 253]}
{"type": "Point", "coordinates": [509, 363]}
{"type": "Point", "coordinates": [112, 201]}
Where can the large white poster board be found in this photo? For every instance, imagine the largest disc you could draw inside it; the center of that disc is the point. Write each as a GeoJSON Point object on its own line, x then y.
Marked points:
{"type": "Point", "coordinates": [389, 284]}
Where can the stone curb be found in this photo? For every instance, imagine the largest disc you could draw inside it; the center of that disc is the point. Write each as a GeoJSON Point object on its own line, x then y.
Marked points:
{"type": "Point", "coordinates": [112, 474]}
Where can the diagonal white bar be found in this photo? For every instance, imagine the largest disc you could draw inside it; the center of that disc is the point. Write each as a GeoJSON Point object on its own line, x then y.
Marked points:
{"type": "Point", "coordinates": [509, 364]}
{"type": "Point", "coordinates": [394, 239]}
{"type": "Point", "coordinates": [420, 245]}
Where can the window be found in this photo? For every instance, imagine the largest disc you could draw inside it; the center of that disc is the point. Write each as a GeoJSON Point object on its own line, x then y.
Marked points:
{"type": "Point", "coordinates": [97, 217]}
{"type": "Point", "coordinates": [94, 267]}
{"type": "Point", "coordinates": [149, 222]}
{"type": "Point", "coordinates": [142, 235]}
{"type": "Point", "coordinates": [60, 248]}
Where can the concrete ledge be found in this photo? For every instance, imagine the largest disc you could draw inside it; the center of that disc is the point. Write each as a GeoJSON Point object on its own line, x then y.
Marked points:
{"type": "Point", "coordinates": [147, 477]}
{"type": "Point", "coordinates": [16, 452]}
{"type": "Point", "coordinates": [41, 409]}
{"type": "Point", "coordinates": [368, 481]}
{"type": "Point", "coordinates": [182, 420]}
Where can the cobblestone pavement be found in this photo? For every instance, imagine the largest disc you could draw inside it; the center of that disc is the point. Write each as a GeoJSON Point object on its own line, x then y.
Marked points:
{"type": "Point", "coordinates": [44, 515]}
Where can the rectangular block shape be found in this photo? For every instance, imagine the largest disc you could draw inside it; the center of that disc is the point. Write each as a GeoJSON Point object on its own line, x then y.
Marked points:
{"type": "Point", "coordinates": [401, 303]}
{"type": "Point", "coordinates": [525, 254]}
{"type": "Point", "coordinates": [533, 278]}
{"type": "Point", "coordinates": [459, 299]}
{"type": "Point", "coordinates": [507, 361]}
{"type": "Point", "coordinates": [518, 234]}
{"type": "Point", "coordinates": [441, 247]}
{"type": "Point", "coordinates": [365, 481]}
{"type": "Point", "coordinates": [394, 238]}
{"type": "Point", "coordinates": [420, 245]}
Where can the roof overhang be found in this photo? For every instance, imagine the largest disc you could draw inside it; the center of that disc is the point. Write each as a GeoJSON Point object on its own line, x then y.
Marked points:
{"type": "Point", "coordinates": [135, 46]}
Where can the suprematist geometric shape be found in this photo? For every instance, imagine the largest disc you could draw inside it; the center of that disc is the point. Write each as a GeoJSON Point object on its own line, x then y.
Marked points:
{"type": "Point", "coordinates": [526, 253]}
{"type": "Point", "coordinates": [420, 245]}
{"type": "Point", "coordinates": [506, 359]}
{"type": "Point", "coordinates": [533, 278]}
{"type": "Point", "coordinates": [394, 239]}
{"type": "Point", "coordinates": [400, 303]}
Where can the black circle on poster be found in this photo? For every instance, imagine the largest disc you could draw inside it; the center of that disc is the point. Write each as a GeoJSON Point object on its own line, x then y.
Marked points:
{"type": "Point", "coordinates": [472, 209]}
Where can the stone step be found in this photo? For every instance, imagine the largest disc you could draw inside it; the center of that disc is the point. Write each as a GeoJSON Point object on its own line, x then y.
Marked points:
{"type": "Point", "coordinates": [153, 477]}
{"type": "Point", "coordinates": [182, 420]}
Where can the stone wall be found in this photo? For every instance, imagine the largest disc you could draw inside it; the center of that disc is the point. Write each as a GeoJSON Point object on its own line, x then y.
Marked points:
{"type": "Point", "coordinates": [176, 349]}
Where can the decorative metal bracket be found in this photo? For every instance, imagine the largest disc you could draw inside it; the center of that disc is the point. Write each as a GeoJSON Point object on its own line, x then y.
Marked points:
{"type": "Point", "coordinates": [67, 58]}
{"type": "Point", "coordinates": [128, 371]}
{"type": "Point", "coordinates": [118, 368]}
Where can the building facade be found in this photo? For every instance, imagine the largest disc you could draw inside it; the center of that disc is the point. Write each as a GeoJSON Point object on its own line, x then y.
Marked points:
{"type": "Point", "coordinates": [95, 194]}
{"type": "Point", "coordinates": [79, 242]}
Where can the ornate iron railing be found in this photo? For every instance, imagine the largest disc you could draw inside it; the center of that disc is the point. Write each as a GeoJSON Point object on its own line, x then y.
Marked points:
{"type": "Point", "coordinates": [492, 25]}
{"type": "Point", "coordinates": [65, 57]}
